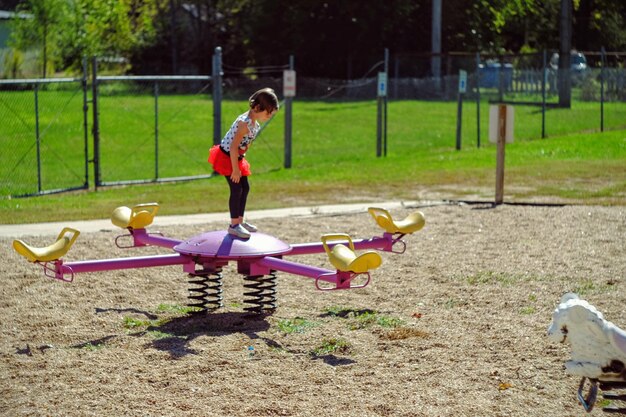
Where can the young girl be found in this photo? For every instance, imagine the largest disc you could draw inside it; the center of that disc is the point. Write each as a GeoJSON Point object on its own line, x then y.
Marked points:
{"type": "Point", "coordinates": [228, 158]}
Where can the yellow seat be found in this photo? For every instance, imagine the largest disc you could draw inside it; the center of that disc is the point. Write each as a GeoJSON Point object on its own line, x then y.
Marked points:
{"type": "Point", "coordinates": [139, 217]}
{"type": "Point", "coordinates": [345, 259]}
{"type": "Point", "coordinates": [412, 223]}
{"type": "Point", "coordinates": [58, 249]}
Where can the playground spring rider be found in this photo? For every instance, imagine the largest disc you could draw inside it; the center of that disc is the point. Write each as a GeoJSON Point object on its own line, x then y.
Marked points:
{"type": "Point", "coordinates": [258, 258]}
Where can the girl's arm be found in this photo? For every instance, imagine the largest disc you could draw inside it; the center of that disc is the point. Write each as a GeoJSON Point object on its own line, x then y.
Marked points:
{"type": "Point", "coordinates": [242, 130]}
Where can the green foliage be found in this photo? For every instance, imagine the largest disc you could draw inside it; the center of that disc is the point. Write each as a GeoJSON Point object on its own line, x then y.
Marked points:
{"type": "Point", "coordinates": [331, 345]}
{"type": "Point", "coordinates": [359, 319]}
{"type": "Point", "coordinates": [176, 309]}
{"type": "Point", "coordinates": [67, 31]}
{"type": "Point", "coordinates": [296, 325]}
{"type": "Point", "coordinates": [133, 323]}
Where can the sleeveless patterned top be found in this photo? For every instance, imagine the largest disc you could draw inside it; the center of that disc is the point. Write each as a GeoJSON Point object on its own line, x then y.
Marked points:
{"type": "Point", "coordinates": [253, 129]}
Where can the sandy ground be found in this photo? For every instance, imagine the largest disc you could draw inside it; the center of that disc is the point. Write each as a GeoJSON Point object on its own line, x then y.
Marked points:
{"type": "Point", "coordinates": [456, 326]}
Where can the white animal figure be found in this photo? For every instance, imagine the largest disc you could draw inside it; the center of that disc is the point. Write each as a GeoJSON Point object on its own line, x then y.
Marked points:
{"type": "Point", "coordinates": [598, 346]}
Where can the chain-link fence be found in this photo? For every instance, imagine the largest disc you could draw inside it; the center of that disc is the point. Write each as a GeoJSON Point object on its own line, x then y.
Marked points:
{"type": "Point", "coordinates": [43, 136]}
{"type": "Point", "coordinates": [149, 129]}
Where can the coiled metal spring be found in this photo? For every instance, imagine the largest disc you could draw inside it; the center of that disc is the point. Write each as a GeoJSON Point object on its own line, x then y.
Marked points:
{"type": "Point", "coordinates": [207, 291]}
{"type": "Point", "coordinates": [261, 294]}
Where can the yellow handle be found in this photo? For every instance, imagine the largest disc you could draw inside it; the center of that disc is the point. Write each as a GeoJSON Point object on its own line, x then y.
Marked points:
{"type": "Point", "coordinates": [336, 237]}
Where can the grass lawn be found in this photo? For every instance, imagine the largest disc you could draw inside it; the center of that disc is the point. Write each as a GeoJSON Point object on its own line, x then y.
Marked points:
{"type": "Point", "coordinates": [334, 158]}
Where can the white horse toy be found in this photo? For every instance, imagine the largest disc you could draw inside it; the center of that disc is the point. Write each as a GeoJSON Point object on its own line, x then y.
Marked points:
{"type": "Point", "coordinates": [598, 348]}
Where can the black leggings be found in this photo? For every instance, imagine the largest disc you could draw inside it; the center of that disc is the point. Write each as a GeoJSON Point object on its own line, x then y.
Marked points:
{"type": "Point", "coordinates": [238, 196]}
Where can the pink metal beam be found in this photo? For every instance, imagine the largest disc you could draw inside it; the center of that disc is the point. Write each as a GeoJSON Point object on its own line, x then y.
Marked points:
{"type": "Point", "coordinates": [144, 238]}
{"type": "Point", "coordinates": [298, 269]}
{"type": "Point", "coordinates": [384, 243]}
{"type": "Point", "coordinates": [124, 263]}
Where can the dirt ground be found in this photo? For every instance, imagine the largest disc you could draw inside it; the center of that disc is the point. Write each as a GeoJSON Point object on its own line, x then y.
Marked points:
{"type": "Point", "coordinates": [456, 326]}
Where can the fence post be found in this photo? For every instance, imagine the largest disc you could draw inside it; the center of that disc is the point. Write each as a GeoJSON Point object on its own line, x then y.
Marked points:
{"type": "Point", "coordinates": [288, 119]}
{"type": "Point", "coordinates": [543, 94]}
{"type": "Point", "coordinates": [96, 124]}
{"type": "Point", "coordinates": [602, 74]}
{"type": "Point", "coordinates": [217, 96]}
{"type": "Point", "coordinates": [37, 138]}
{"type": "Point", "coordinates": [478, 99]}
{"type": "Point", "coordinates": [156, 130]}
{"type": "Point", "coordinates": [385, 103]}
{"type": "Point", "coordinates": [86, 119]}
{"type": "Point", "coordinates": [501, 141]}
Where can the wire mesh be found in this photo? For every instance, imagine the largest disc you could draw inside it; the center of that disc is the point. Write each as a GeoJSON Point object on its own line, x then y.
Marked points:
{"type": "Point", "coordinates": [42, 136]}
{"type": "Point", "coordinates": [153, 129]}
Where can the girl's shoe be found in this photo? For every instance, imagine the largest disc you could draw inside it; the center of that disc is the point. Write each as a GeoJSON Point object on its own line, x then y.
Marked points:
{"type": "Point", "coordinates": [249, 227]}
{"type": "Point", "coordinates": [238, 231]}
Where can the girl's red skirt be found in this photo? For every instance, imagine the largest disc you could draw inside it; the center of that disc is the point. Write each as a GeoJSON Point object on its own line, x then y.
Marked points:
{"type": "Point", "coordinates": [222, 165]}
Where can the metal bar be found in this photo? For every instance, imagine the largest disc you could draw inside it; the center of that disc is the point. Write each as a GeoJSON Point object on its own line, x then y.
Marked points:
{"type": "Point", "coordinates": [143, 237]}
{"type": "Point", "coordinates": [379, 130]}
{"type": "Point", "coordinates": [124, 263]}
{"type": "Point", "coordinates": [160, 180]}
{"type": "Point", "coordinates": [85, 120]}
{"type": "Point", "coordinates": [379, 243]}
{"type": "Point", "coordinates": [288, 122]}
{"type": "Point", "coordinates": [156, 130]}
{"type": "Point", "coordinates": [153, 77]}
{"type": "Point", "coordinates": [543, 95]}
{"type": "Point", "coordinates": [37, 138]}
{"type": "Point", "coordinates": [459, 119]}
{"type": "Point", "coordinates": [602, 73]}
{"type": "Point", "coordinates": [40, 81]}
{"type": "Point", "coordinates": [477, 99]}
{"type": "Point", "coordinates": [217, 96]}
{"type": "Point", "coordinates": [298, 269]}
{"type": "Point", "coordinates": [96, 123]}
{"type": "Point", "coordinates": [385, 103]}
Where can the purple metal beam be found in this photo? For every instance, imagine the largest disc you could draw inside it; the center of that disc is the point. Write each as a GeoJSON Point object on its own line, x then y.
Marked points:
{"type": "Point", "coordinates": [384, 243]}
{"type": "Point", "coordinates": [298, 269]}
{"type": "Point", "coordinates": [124, 263]}
{"type": "Point", "coordinates": [144, 238]}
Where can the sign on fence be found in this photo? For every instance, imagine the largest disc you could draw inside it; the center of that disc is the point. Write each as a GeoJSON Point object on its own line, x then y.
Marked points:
{"type": "Point", "coordinates": [382, 84]}
{"type": "Point", "coordinates": [462, 81]}
{"type": "Point", "coordinates": [289, 83]}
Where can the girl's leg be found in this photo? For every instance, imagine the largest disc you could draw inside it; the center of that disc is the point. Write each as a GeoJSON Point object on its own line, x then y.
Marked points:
{"type": "Point", "coordinates": [245, 189]}
{"type": "Point", "coordinates": [234, 202]}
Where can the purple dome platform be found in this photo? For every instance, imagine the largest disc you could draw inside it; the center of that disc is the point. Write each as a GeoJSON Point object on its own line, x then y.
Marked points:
{"type": "Point", "coordinates": [220, 244]}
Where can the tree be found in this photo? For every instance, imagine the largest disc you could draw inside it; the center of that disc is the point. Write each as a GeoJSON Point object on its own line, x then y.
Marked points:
{"type": "Point", "coordinates": [39, 30]}
{"type": "Point", "coordinates": [69, 30]}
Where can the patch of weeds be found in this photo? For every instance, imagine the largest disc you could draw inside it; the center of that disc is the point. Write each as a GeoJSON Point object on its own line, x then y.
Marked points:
{"type": "Point", "coordinates": [490, 277]}
{"type": "Point", "coordinates": [296, 325]}
{"type": "Point", "coordinates": [528, 310]}
{"type": "Point", "coordinates": [451, 303]}
{"type": "Point", "coordinates": [336, 311]}
{"type": "Point", "coordinates": [587, 287]}
{"type": "Point", "coordinates": [133, 323]}
{"type": "Point", "coordinates": [360, 319]}
{"type": "Point", "coordinates": [177, 309]}
{"type": "Point", "coordinates": [235, 304]}
{"type": "Point", "coordinates": [389, 322]}
{"type": "Point", "coordinates": [92, 347]}
{"type": "Point", "coordinates": [532, 297]}
{"type": "Point", "coordinates": [157, 334]}
{"type": "Point", "coordinates": [401, 333]}
{"type": "Point", "coordinates": [332, 345]}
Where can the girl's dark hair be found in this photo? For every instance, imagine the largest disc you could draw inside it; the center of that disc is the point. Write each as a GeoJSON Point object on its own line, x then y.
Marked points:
{"type": "Point", "coordinates": [264, 99]}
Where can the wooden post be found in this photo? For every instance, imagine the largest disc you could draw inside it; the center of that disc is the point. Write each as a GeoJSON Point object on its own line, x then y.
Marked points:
{"type": "Point", "coordinates": [500, 153]}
